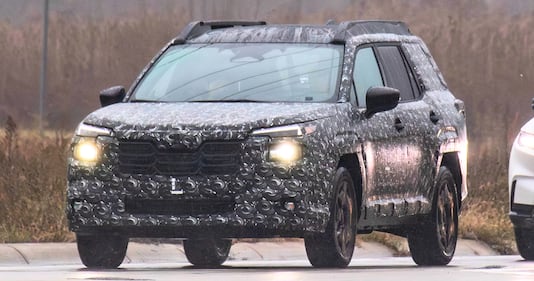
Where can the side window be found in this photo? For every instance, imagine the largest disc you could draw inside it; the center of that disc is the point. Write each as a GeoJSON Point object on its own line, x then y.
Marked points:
{"type": "Point", "coordinates": [395, 71]}
{"type": "Point", "coordinates": [425, 67]}
{"type": "Point", "coordinates": [366, 74]}
{"type": "Point", "coordinates": [413, 80]}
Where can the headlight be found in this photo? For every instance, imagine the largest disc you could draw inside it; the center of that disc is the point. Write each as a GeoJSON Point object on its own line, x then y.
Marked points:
{"type": "Point", "coordinates": [85, 130]}
{"type": "Point", "coordinates": [86, 151]}
{"type": "Point", "coordinates": [285, 148]}
{"type": "Point", "coordinates": [276, 132]}
{"type": "Point", "coordinates": [286, 131]}
{"type": "Point", "coordinates": [285, 152]}
{"type": "Point", "coordinates": [526, 140]}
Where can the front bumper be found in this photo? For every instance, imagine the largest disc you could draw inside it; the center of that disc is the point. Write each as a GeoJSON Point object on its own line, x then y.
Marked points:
{"type": "Point", "coordinates": [521, 186]}
{"type": "Point", "coordinates": [262, 199]}
{"type": "Point", "coordinates": [521, 220]}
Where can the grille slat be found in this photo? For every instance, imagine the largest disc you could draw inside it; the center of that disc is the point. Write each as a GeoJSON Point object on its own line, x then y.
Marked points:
{"type": "Point", "coordinates": [211, 158]}
{"type": "Point", "coordinates": [220, 160]}
{"type": "Point", "coordinates": [136, 160]}
{"type": "Point", "coordinates": [175, 157]}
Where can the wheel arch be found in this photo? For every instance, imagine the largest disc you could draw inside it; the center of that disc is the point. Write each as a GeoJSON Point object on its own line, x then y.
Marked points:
{"type": "Point", "coordinates": [352, 163]}
{"type": "Point", "coordinates": [452, 162]}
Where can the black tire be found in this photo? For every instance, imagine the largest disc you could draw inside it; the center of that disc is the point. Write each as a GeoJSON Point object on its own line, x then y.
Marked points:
{"type": "Point", "coordinates": [102, 251]}
{"type": "Point", "coordinates": [335, 247]}
{"type": "Point", "coordinates": [433, 242]}
{"type": "Point", "coordinates": [207, 252]}
{"type": "Point", "coordinates": [524, 238]}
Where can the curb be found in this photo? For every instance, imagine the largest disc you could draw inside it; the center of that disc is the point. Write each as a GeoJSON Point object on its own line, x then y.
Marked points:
{"type": "Point", "coordinates": [41, 254]}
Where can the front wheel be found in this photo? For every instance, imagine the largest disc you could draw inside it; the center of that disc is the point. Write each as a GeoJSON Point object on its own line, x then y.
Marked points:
{"type": "Point", "coordinates": [335, 247]}
{"type": "Point", "coordinates": [433, 242]}
{"type": "Point", "coordinates": [207, 252]}
{"type": "Point", "coordinates": [524, 238]}
{"type": "Point", "coordinates": [102, 251]}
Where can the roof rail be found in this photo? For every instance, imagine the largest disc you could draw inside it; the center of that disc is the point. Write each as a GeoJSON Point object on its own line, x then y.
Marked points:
{"type": "Point", "coordinates": [197, 28]}
{"type": "Point", "coordinates": [331, 22]}
{"type": "Point", "coordinates": [369, 27]}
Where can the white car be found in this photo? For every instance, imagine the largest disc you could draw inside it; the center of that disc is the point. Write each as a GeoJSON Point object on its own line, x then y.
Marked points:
{"type": "Point", "coordinates": [521, 188]}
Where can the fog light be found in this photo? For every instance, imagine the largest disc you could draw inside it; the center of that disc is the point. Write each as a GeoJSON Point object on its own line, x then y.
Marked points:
{"type": "Point", "coordinates": [285, 152]}
{"type": "Point", "coordinates": [86, 151]}
{"type": "Point", "coordinates": [77, 206]}
{"type": "Point", "coordinates": [290, 206]}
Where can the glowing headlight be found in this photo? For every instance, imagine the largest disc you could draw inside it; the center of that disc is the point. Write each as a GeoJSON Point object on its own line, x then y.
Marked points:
{"type": "Point", "coordinates": [86, 151]}
{"type": "Point", "coordinates": [285, 152]}
{"type": "Point", "coordinates": [526, 140]}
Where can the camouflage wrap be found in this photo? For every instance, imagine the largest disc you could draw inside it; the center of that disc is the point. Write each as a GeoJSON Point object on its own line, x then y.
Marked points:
{"type": "Point", "coordinates": [396, 172]}
{"type": "Point", "coordinates": [98, 194]}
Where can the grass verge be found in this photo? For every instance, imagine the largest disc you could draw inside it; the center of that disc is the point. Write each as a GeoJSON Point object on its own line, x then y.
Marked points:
{"type": "Point", "coordinates": [32, 187]}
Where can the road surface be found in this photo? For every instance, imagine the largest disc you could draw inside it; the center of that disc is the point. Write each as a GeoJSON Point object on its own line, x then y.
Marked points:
{"type": "Point", "coordinates": [485, 268]}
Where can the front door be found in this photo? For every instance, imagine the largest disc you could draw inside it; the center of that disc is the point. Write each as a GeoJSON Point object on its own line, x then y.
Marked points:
{"type": "Point", "coordinates": [387, 144]}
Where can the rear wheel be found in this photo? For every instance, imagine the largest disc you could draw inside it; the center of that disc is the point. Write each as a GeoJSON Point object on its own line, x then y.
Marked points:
{"type": "Point", "coordinates": [207, 252]}
{"type": "Point", "coordinates": [335, 247]}
{"type": "Point", "coordinates": [433, 242]}
{"type": "Point", "coordinates": [524, 238]}
{"type": "Point", "coordinates": [102, 251]}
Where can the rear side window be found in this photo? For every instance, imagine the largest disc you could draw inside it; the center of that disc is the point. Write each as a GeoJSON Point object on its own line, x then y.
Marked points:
{"type": "Point", "coordinates": [395, 72]}
{"type": "Point", "coordinates": [425, 67]}
{"type": "Point", "coordinates": [366, 74]}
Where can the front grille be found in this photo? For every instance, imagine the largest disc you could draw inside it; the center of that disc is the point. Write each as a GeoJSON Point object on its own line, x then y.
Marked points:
{"type": "Point", "coordinates": [523, 209]}
{"type": "Point", "coordinates": [211, 158]}
{"type": "Point", "coordinates": [179, 207]}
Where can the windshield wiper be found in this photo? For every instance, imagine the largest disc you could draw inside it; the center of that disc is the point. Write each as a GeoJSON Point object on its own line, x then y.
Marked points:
{"type": "Point", "coordinates": [230, 100]}
{"type": "Point", "coordinates": [137, 100]}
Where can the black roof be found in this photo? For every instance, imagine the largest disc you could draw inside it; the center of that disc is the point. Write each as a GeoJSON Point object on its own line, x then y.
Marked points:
{"type": "Point", "coordinates": [260, 31]}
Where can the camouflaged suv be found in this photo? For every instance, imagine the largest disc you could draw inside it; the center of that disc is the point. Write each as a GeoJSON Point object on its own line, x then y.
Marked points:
{"type": "Point", "coordinates": [247, 129]}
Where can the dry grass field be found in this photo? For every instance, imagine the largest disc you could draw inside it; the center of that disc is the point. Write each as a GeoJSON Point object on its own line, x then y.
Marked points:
{"type": "Point", "coordinates": [33, 181]}
{"type": "Point", "coordinates": [32, 186]}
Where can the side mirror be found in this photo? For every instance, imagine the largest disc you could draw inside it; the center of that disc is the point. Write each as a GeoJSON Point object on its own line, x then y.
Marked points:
{"type": "Point", "coordinates": [381, 99]}
{"type": "Point", "coordinates": [112, 95]}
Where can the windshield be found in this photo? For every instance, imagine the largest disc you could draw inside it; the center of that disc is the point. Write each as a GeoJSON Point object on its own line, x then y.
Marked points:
{"type": "Point", "coordinates": [263, 72]}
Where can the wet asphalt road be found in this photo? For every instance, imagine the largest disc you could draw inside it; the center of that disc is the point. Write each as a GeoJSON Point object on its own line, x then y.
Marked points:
{"type": "Point", "coordinates": [461, 268]}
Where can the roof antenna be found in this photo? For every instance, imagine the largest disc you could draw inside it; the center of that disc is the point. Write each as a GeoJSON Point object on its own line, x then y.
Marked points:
{"type": "Point", "coordinates": [331, 22]}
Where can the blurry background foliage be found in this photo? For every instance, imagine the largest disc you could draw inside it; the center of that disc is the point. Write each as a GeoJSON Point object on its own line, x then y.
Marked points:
{"type": "Point", "coordinates": [483, 47]}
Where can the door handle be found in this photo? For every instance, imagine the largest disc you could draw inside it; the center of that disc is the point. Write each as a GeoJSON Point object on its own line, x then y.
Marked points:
{"type": "Point", "coordinates": [434, 117]}
{"type": "Point", "coordinates": [460, 106]}
{"type": "Point", "coordinates": [398, 124]}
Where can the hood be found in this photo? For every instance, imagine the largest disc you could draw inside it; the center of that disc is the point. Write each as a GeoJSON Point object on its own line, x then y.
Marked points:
{"type": "Point", "coordinates": [529, 127]}
{"type": "Point", "coordinates": [207, 117]}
